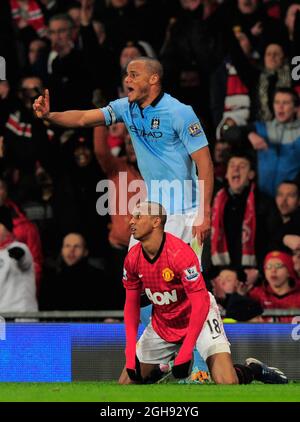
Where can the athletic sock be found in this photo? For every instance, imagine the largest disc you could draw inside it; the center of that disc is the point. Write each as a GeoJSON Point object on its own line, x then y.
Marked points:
{"type": "Point", "coordinates": [245, 374]}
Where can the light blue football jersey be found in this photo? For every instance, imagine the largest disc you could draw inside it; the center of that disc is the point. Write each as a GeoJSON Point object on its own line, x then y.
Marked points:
{"type": "Point", "coordinates": [164, 135]}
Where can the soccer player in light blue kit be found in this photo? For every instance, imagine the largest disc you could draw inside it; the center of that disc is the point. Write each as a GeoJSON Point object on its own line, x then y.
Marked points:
{"type": "Point", "coordinates": [169, 143]}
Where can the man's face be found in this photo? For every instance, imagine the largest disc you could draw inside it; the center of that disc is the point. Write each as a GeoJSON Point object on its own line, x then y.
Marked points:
{"type": "Point", "coordinates": [73, 249]}
{"type": "Point", "coordinates": [137, 82]}
{"type": "Point", "coordinates": [31, 88]}
{"type": "Point", "coordinates": [60, 35]}
{"type": "Point", "coordinates": [228, 281]}
{"type": "Point", "coordinates": [141, 223]}
{"type": "Point", "coordinates": [284, 107]}
{"type": "Point", "coordinates": [239, 174]}
{"type": "Point", "coordinates": [128, 54]}
{"type": "Point", "coordinates": [276, 273]}
{"type": "Point", "coordinates": [220, 151]}
{"type": "Point", "coordinates": [117, 4]}
{"type": "Point", "coordinates": [35, 48]}
{"type": "Point", "coordinates": [83, 156]}
{"type": "Point", "coordinates": [274, 57]}
{"type": "Point", "coordinates": [247, 6]}
{"type": "Point", "coordinates": [190, 4]}
{"type": "Point", "coordinates": [287, 199]}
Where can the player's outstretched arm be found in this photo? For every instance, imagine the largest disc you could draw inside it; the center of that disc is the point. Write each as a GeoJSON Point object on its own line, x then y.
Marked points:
{"type": "Point", "coordinates": [72, 118]}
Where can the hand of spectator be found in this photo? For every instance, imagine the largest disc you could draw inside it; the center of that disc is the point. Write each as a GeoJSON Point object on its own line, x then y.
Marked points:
{"type": "Point", "coordinates": [257, 29]}
{"type": "Point", "coordinates": [22, 23]}
{"type": "Point", "coordinates": [292, 241]}
{"type": "Point", "coordinates": [16, 253]}
{"type": "Point", "coordinates": [86, 12]}
{"type": "Point", "coordinates": [252, 276]}
{"type": "Point", "coordinates": [242, 289]}
{"type": "Point", "coordinates": [257, 141]}
{"type": "Point", "coordinates": [41, 105]}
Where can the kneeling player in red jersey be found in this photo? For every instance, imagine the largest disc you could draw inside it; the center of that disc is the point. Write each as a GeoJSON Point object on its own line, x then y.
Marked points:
{"type": "Point", "coordinates": [184, 314]}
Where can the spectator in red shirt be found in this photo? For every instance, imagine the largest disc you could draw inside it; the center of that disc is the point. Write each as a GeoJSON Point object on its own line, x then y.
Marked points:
{"type": "Point", "coordinates": [280, 290]}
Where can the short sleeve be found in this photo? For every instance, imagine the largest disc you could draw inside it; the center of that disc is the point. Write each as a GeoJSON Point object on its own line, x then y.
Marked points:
{"type": "Point", "coordinates": [131, 279]}
{"type": "Point", "coordinates": [115, 110]}
{"type": "Point", "coordinates": [188, 269]}
{"type": "Point", "coordinates": [189, 129]}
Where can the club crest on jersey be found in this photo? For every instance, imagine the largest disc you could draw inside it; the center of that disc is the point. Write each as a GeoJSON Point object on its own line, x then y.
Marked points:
{"type": "Point", "coordinates": [167, 274]}
{"type": "Point", "coordinates": [195, 129]}
{"type": "Point", "coordinates": [155, 123]}
{"type": "Point", "coordinates": [191, 273]}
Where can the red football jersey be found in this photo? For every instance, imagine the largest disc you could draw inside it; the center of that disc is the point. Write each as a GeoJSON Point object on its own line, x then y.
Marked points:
{"type": "Point", "coordinates": [270, 300]}
{"type": "Point", "coordinates": [166, 279]}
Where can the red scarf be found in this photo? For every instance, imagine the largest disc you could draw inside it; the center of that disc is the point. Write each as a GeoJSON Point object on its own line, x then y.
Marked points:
{"type": "Point", "coordinates": [35, 16]}
{"type": "Point", "coordinates": [219, 248]}
{"type": "Point", "coordinates": [7, 241]}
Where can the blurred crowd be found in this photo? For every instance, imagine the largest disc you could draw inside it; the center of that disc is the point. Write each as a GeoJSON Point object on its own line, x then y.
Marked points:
{"type": "Point", "coordinates": [232, 61]}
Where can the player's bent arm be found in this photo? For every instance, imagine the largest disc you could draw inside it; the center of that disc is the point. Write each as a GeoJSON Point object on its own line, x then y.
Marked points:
{"type": "Point", "coordinates": [131, 320]}
{"type": "Point", "coordinates": [77, 118]}
{"type": "Point", "coordinates": [200, 302]}
{"type": "Point", "coordinates": [205, 169]}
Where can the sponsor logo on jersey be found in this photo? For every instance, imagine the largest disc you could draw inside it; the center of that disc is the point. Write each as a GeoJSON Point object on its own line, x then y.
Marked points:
{"type": "Point", "coordinates": [191, 273]}
{"type": "Point", "coordinates": [167, 274]}
{"type": "Point", "coordinates": [164, 298]}
{"type": "Point", "coordinates": [125, 274]}
{"type": "Point", "coordinates": [143, 132]}
{"type": "Point", "coordinates": [195, 129]}
{"type": "Point", "coordinates": [155, 122]}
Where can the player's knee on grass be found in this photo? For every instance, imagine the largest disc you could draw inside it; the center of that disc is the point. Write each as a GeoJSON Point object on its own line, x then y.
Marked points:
{"type": "Point", "coordinates": [221, 369]}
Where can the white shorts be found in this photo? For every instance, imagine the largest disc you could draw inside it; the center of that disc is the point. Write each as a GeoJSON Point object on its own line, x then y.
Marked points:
{"type": "Point", "coordinates": [180, 226]}
{"type": "Point", "coordinates": [151, 348]}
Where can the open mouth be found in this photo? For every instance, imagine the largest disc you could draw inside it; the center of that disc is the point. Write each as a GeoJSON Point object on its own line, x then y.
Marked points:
{"type": "Point", "coordinates": [236, 178]}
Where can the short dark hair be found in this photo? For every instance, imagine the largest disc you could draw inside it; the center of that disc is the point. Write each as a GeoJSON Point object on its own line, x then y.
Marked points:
{"type": "Point", "coordinates": [155, 209]}
{"type": "Point", "coordinates": [289, 91]}
{"type": "Point", "coordinates": [247, 155]}
{"type": "Point", "coordinates": [290, 182]}
{"type": "Point", "coordinates": [63, 17]}
{"type": "Point", "coordinates": [153, 65]}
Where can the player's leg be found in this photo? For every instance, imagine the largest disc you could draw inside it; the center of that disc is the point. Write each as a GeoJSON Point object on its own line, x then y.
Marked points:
{"type": "Point", "coordinates": [153, 352]}
{"type": "Point", "coordinates": [213, 346]}
{"type": "Point", "coordinates": [221, 368]}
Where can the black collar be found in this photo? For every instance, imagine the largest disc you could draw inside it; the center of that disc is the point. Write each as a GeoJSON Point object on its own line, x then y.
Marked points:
{"type": "Point", "coordinates": [153, 260]}
{"type": "Point", "coordinates": [157, 99]}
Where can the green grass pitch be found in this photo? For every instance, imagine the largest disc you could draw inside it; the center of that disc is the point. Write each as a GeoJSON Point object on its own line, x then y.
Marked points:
{"type": "Point", "coordinates": [112, 392]}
